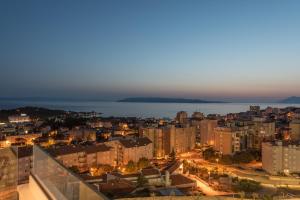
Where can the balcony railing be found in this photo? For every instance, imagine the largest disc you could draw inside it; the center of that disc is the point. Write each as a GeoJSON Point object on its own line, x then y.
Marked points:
{"type": "Point", "coordinates": [59, 182]}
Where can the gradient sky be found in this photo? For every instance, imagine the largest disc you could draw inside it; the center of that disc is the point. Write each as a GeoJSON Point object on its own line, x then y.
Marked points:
{"type": "Point", "coordinates": [111, 49]}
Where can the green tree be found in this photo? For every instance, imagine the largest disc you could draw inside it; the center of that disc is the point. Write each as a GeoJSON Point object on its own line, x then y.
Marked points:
{"type": "Point", "coordinates": [209, 154]}
{"type": "Point", "coordinates": [74, 169]}
{"type": "Point", "coordinates": [143, 163]}
{"type": "Point", "coordinates": [173, 155]}
{"type": "Point", "coordinates": [71, 122]}
{"type": "Point", "coordinates": [247, 186]}
{"type": "Point", "coordinates": [256, 154]}
{"type": "Point", "coordinates": [226, 160]}
{"type": "Point", "coordinates": [131, 166]}
{"type": "Point", "coordinates": [141, 181]}
{"type": "Point", "coordinates": [243, 157]}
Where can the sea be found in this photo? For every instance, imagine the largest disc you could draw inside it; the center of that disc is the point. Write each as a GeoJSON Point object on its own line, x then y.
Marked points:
{"type": "Point", "coordinates": [142, 110]}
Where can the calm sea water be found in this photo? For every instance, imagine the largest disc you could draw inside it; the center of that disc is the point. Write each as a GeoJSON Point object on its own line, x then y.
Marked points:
{"type": "Point", "coordinates": [119, 109]}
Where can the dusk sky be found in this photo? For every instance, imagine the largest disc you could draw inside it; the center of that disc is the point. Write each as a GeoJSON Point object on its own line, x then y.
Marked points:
{"type": "Point", "coordinates": [113, 49]}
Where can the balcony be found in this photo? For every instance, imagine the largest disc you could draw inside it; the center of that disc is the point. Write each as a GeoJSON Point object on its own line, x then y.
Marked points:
{"type": "Point", "coordinates": [82, 159]}
{"type": "Point", "coordinates": [82, 154]}
{"type": "Point", "coordinates": [57, 182]}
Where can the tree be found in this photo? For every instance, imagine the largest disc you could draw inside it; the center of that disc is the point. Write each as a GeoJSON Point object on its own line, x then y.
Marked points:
{"type": "Point", "coordinates": [141, 181]}
{"type": "Point", "coordinates": [100, 169]}
{"type": "Point", "coordinates": [143, 163]}
{"type": "Point", "coordinates": [226, 160]}
{"type": "Point", "coordinates": [173, 155]}
{"type": "Point", "coordinates": [256, 154]}
{"type": "Point", "coordinates": [131, 166]}
{"type": "Point", "coordinates": [209, 154]}
{"type": "Point", "coordinates": [243, 157]}
{"type": "Point", "coordinates": [71, 122]}
{"type": "Point", "coordinates": [74, 169]}
{"type": "Point", "coordinates": [247, 186]}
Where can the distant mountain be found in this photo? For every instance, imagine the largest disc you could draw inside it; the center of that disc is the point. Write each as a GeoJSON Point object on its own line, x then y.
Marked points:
{"type": "Point", "coordinates": [165, 100]}
{"type": "Point", "coordinates": [291, 100]}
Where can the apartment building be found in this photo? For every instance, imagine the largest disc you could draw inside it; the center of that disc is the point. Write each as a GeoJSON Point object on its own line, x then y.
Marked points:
{"type": "Point", "coordinates": [195, 121]}
{"type": "Point", "coordinates": [84, 157]}
{"type": "Point", "coordinates": [127, 149]}
{"type": "Point", "coordinates": [180, 138]}
{"type": "Point", "coordinates": [207, 127]}
{"type": "Point", "coordinates": [255, 109]}
{"type": "Point", "coordinates": [156, 135]}
{"type": "Point", "coordinates": [227, 140]}
{"type": "Point", "coordinates": [82, 133]}
{"type": "Point", "coordinates": [19, 139]}
{"type": "Point", "coordinates": [22, 118]}
{"type": "Point", "coordinates": [262, 129]}
{"type": "Point", "coordinates": [181, 117]}
{"type": "Point", "coordinates": [281, 157]}
{"type": "Point", "coordinates": [295, 129]}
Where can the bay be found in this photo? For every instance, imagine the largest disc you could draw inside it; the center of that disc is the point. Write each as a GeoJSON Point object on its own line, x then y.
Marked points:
{"type": "Point", "coordinates": [144, 110]}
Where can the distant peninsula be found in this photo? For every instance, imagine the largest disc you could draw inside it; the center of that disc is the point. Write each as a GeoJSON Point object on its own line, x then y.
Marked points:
{"type": "Point", "coordinates": [34, 112]}
{"type": "Point", "coordinates": [291, 100]}
{"type": "Point", "coordinates": [165, 100]}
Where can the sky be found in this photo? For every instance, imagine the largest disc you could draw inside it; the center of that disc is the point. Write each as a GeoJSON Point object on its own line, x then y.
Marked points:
{"type": "Point", "coordinates": [211, 49]}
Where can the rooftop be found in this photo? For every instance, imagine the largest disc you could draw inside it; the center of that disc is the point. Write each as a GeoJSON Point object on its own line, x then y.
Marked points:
{"type": "Point", "coordinates": [178, 179]}
{"type": "Point", "coordinates": [135, 142]}
{"type": "Point", "coordinates": [69, 149]}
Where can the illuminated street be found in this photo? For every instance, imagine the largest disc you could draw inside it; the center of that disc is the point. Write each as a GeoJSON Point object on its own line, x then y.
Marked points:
{"type": "Point", "coordinates": [244, 171]}
{"type": "Point", "coordinates": [205, 188]}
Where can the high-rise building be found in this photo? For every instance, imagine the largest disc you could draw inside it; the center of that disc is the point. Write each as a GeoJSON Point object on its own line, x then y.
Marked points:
{"type": "Point", "coordinates": [262, 129]}
{"type": "Point", "coordinates": [195, 121]}
{"type": "Point", "coordinates": [295, 129]}
{"type": "Point", "coordinates": [255, 109]}
{"type": "Point", "coordinates": [180, 138]}
{"type": "Point", "coordinates": [131, 149]}
{"type": "Point", "coordinates": [198, 115]}
{"type": "Point", "coordinates": [156, 135]}
{"type": "Point", "coordinates": [207, 127]}
{"type": "Point", "coordinates": [281, 157]}
{"type": "Point", "coordinates": [182, 117]}
{"type": "Point", "coordinates": [228, 140]}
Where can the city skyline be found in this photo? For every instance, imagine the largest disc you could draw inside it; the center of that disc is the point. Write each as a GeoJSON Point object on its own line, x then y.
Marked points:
{"type": "Point", "coordinates": [149, 100]}
{"type": "Point", "coordinates": [234, 50]}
